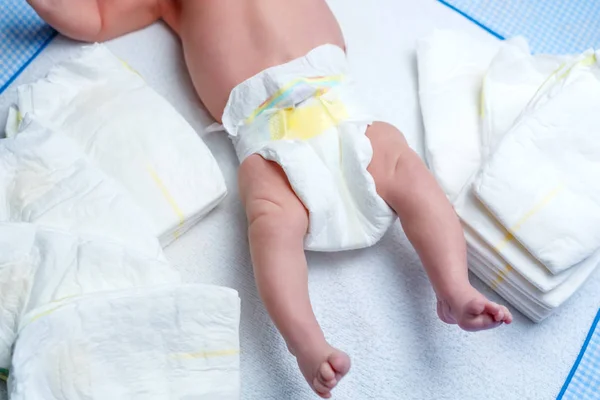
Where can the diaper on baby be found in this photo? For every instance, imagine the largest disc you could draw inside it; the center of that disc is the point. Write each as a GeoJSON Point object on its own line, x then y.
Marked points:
{"type": "Point", "coordinates": [306, 116]}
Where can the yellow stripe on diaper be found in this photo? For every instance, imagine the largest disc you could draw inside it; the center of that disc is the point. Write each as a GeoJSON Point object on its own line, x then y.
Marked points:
{"type": "Point", "coordinates": [43, 314]}
{"type": "Point", "coordinates": [307, 121]}
{"type": "Point", "coordinates": [207, 354]}
{"type": "Point", "coordinates": [501, 277]}
{"type": "Point", "coordinates": [170, 199]}
{"type": "Point", "coordinates": [535, 209]}
{"type": "Point", "coordinates": [482, 98]}
{"type": "Point", "coordinates": [586, 62]}
{"type": "Point", "coordinates": [130, 68]}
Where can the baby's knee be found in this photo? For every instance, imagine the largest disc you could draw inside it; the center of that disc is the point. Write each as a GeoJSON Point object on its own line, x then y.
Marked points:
{"type": "Point", "coordinates": [391, 153]}
{"type": "Point", "coordinates": [272, 216]}
{"type": "Point", "coordinates": [271, 204]}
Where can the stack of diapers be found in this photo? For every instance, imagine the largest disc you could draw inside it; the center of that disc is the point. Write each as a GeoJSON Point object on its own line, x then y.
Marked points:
{"type": "Point", "coordinates": [131, 133]}
{"type": "Point", "coordinates": [89, 306]}
{"type": "Point", "coordinates": [514, 141]}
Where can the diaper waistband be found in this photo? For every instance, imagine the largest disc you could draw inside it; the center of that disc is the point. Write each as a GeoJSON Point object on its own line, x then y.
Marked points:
{"type": "Point", "coordinates": [298, 100]}
{"type": "Point", "coordinates": [282, 85]}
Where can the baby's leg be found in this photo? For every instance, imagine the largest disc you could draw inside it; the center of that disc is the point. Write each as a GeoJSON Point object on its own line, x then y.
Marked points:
{"type": "Point", "coordinates": [278, 223]}
{"type": "Point", "coordinates": [433, 228]}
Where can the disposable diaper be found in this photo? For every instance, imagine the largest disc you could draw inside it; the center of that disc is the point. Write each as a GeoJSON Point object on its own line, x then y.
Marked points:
{"type": "Point", "coordinates": [43, 266]}
{"type": "Point", "coordinates": [167, 342]}
{"type": "Point", "coordinates": [45, 179]}
{"type": "Point", "coordinates": [307, 117]}
{"type": "Point", "coordinates": [132, 134]}
{"type": "Point", "coordinates": [542, 182]}
{"type": "Point", "coordinates": [451, 68]}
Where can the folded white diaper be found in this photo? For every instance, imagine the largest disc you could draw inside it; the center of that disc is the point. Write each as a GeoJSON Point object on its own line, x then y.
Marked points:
{"type": "Point", "coordinates": [40, 266]}
{"type": "Point", "coordinates": [307, 116]}
{"type": "Point", "coordinates": [171, 342]}
{"type": "Point", "coordinates": [451, 68]}
{"type": "Point", "coordinates": [16, 271]}
{"type": "Point", "coordinates": [45, 179]}
{"type": "Point", "coordinates": [513, 78]}
{"type": "Point", "coordinates": [493, 234]}
{"type": "Point", "coordinates": [542, 182]}
{"type": "Point", "coordinates": [132, 134]}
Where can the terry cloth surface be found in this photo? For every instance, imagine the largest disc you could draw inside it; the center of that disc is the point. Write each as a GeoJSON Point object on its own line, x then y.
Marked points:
{"type": "Point", "coordinates": [551, 26]}
{"type": "Point", "coordinates": [23, 35]}
{"type": "Point", "coordinates": [399, 347]}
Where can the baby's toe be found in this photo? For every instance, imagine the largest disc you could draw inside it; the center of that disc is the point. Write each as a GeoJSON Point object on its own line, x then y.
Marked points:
{"type": "Point", "coordinates": [499, 316]}
{"type": "Point", "coordinates": [507, 316]}
{"type": "Point", "coordinates": [326, 372]}
{"type": "Point", "coordinates": [492, 308]}
{"type": "Point", "coordinates": [321, 389]}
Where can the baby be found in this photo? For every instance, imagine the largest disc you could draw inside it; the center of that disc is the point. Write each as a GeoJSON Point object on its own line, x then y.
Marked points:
{"type": "Point", "coordinates": [317, 171]}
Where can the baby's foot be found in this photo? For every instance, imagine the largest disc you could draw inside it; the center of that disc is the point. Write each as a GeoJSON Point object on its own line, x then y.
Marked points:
{"type": "Point", "coordinates": [472, 311]}
{"type": "Point", "coordinates": [323, 369]}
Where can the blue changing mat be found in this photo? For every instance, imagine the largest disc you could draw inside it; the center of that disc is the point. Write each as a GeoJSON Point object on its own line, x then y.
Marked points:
{"type": "Point", "coordinates": [550, 26]}
{"type": "Point", "coordinates": [584, 380]}
{"type": "Point", "coordinates": [23, 35]}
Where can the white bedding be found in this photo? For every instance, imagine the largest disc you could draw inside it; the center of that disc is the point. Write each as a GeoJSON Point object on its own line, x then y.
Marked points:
{"type": "Point", "coordinates": [399, 348]}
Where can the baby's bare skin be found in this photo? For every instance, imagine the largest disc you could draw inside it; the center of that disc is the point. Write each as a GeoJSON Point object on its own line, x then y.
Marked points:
{"type": "Point", "coordinates": [226, 42]}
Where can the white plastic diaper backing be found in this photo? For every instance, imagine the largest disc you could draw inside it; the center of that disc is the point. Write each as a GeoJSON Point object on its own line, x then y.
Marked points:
{"type": "Point", "coordinates": [132, 134]}
{"type": "Point", "coordinates": [506, 83]}
{"type": "Point", "coordinates": [306, 116]}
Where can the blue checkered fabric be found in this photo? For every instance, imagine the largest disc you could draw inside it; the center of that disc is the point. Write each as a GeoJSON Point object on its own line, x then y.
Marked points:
{"type": "Point", "coordinates": [583, 382]}
{"type": "Point", "coordinates": [550, 26]}
{"type": "Point", "coordinates": [23, 35]}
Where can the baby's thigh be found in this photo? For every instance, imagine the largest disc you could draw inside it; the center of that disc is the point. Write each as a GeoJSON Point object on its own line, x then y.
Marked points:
{"type": "Point", "coordinates": [265, 189]}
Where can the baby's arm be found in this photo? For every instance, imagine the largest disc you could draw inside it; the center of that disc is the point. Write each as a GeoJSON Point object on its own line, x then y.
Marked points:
{"type": "Point", "coordinates": [97, 20]}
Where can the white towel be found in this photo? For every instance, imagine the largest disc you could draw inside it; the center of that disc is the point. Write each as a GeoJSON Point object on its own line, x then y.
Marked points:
{"type": "Point", "coordinates": [173, 342]}
{"type": "Point", "coordinates": [542, 182]}
{"type": "Point", "coordinates": [133, 135]}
